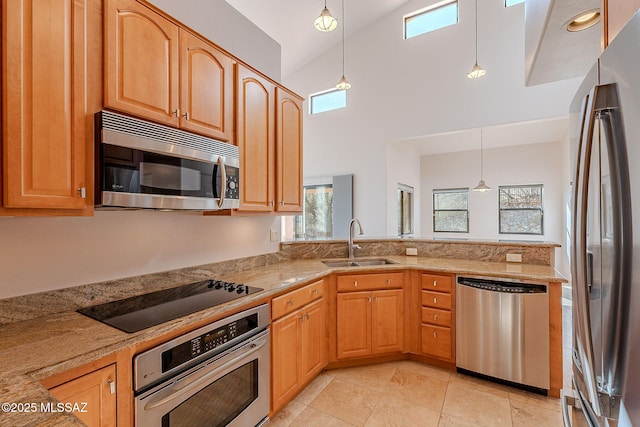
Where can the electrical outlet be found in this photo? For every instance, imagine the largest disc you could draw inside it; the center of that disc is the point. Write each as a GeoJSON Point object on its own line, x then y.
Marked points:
{"type": "Point", "coordinates": [274, 235]}
{"type": "Point", "coordinates": [412, 251]}
{"type": "Point", "coordinates": [514, 257]}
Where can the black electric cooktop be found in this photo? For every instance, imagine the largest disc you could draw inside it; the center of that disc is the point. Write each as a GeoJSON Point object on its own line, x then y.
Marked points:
{"type": "Point", "coordinates": [143, 311]}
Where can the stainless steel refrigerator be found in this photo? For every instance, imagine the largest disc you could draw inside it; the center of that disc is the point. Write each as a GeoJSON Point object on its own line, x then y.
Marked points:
{"type": "Point", "coordinates": [605, 138]}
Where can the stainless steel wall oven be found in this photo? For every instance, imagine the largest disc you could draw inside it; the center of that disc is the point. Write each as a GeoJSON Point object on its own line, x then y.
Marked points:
{"type": "Point", "coordinates": [217, 375]}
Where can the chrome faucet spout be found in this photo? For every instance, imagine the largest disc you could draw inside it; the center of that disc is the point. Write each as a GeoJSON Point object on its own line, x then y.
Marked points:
{"type": "Point", "coordinates": [351, 245]}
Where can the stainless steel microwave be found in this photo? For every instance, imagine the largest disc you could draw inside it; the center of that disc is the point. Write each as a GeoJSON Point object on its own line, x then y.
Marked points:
{"type": "Point", "coordinates": [145, 165]}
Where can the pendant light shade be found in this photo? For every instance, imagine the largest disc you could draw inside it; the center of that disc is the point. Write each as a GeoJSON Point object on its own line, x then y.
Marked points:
{"type": "Point", "coordinates": [477, 71]}
{"type": "Point", "coordinates": [325, 22]}
{"type": "Point", "coordinates": [482, 186]}
{"type": "Point", "coordinates": [343, 83]}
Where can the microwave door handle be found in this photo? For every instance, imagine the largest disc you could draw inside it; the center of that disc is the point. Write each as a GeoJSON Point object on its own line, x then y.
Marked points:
{"type": "Point", "coordinates": [187, 387]}
{"type": "Point", "coordinates": [223, 181]}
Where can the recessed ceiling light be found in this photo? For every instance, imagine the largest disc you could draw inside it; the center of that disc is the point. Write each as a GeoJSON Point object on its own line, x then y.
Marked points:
{"type": "Point", "coordinates": [584, 20]}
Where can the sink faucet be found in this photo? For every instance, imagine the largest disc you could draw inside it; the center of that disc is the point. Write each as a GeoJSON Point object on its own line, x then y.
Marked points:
{"type": "Point", "coordinates": [351, 245]}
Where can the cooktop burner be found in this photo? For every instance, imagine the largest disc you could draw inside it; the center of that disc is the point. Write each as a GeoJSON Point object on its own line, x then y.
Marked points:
{"type": "Point", "coordinates": [143, 311]}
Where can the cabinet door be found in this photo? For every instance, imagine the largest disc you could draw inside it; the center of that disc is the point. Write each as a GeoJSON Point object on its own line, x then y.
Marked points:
{"type": "Point", "coordinates": [313, 351]}
{"type": "Point", "coordinates": [387, 321]}
{"type": "Point", "coordinates": [354, 324]}
{"type": "Point", "coordinates": [95, 389]}
{"type": "Point", "coordinates": [206, 92]}
{"type": "Point", "coordinates": [285, 359]}
{"type": "Point", "coordinates": [44, 65]}
{"type": "Point", "coordinates": [255, 139]}
{"type": "Point", "coordinates": [288, 152]}
{"type": "Point", "coordinates": [141, 52]}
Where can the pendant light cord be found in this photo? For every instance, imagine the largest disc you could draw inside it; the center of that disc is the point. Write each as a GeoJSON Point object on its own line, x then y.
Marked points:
{"type": "Point", "coordinates": [476, 31]}
{"type": "Point", "coordinates": [481, 159]}
{"type": "Point", "coordinates": [343, 37]}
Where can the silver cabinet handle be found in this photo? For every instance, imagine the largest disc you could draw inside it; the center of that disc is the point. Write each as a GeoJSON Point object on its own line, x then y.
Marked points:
{"type": "Point", "coordinates": [355, 283]}
{"type": "Point", "coordinates": [369, 299]}
{"type": "Point", "coordinates": [388, 280]}
{"type": "Point", "coordinates": [271, 203]}
{"type": "Point", "coordinates": [186, 115]}
{"type": "Point", "coordinates": [314, 292]}
{"type": "Point", "coordinates": [290, 301]}
{"type": "Point", "coordinates": [435, 300]}
{"type": "Point", "coordinates": [83, 192]}
{"type": "Point", "coordinates": [435, 283]}
{"type": "Point", "coordinates": [112, 386]}
{"type": "Point", "coordinates": [176, 112]}
{"type": "Point", "coordinates": [435, 334]}
{"type": "Point", "coordinates": [435, 317]}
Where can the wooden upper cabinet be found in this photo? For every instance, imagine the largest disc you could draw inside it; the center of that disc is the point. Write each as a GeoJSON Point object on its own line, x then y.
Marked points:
{"type": "Point", "coordinates": [616, 14]}
{"type": "Point", "coordinates": [288, 152]}
{"type": "Point", "coordinates": [256, 141]}
{"type": "Point", "coordinates": [45, 94]}
{"type": "Point", "coordinates": [141, 62]}
{"type": "Point", "coordinates": [206, 93]}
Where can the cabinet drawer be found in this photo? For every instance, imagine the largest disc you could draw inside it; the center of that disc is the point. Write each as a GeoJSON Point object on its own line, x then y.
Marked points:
{"type": "Point", "coordinates": [431, 282]}
{"type": "Point", "coordinates": [436, 300]}
{"type": "Point", "coordinates": [436, 317]}
{"type": "Point", "coordinates": [436, 341]}
{"type": "Point", "coordinates": [293, 300]}
{"type": "Point", "coordinates": [365, 282]}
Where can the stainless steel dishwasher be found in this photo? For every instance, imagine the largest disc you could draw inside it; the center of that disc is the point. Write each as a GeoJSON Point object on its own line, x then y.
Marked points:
{"type": "Point", "coordinates": [502, 330]}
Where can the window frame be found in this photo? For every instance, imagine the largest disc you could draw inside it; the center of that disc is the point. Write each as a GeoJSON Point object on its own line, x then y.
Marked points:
{"type": "Point", "coordinates": [540, 209]}
{"type": "Point", "coordinates": [426, 10]}
{"type": "Point", "coordinates": [407, 191]}
{"type": "Point", "coordinates": [325, 92]}
{"type": "Point", "coordinates": [449, 190]}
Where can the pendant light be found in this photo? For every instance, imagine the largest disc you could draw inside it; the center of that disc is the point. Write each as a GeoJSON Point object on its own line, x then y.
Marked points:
{"type": "Point", "coordinates": [325, 22]}
{"type": "Point", "coordinates": [481, 187]}
{"type": "Point", "coordinates": [343, 83]}
{"type": "Point", "coordinates": [477, 71]}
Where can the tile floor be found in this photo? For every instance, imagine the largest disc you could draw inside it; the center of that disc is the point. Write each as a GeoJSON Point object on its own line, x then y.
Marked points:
{"type": "Point", "coordinates": [408, 393]}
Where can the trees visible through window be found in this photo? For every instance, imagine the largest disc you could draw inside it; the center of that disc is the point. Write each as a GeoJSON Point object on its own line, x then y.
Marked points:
{"type": "Point", "coordinates": [451, 210]}
{"type": "Point", "coordinates": [520, 209]}
{"type": "Point", "coordinates": [316, 219]}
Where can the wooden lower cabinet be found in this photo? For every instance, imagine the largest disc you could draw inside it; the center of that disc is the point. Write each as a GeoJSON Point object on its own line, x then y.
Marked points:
{"type": "Point", "coordinates": [437, 316]}
{"type": "Point", "coordinates": [98, 390]}
{"type": "Point", "coordinates": [370, 323]}
{"type": "Point", "coordinates": [299, 351]}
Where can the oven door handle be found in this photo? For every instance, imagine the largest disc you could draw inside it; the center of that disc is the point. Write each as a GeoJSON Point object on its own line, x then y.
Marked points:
{"type": "Point", "coordinates": [181, 389]}
{"type": "Point", "coordinates": [223, 181]}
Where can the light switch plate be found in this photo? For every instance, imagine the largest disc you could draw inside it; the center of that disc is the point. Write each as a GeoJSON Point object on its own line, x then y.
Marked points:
{"type": "Point", "coordinates": [514, 257]}
{"type": "Point", "coordinates": [274, 235]}
{"type": "Point", "coordinates": [412, 251]}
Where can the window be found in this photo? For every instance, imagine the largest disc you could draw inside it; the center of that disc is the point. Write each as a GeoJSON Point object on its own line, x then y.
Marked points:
{"type": "Point", "coordinates": [431, 18]}
{"type": "Point", "coordinates": [451, 210]}
{"type": "Point", "coordinates": [405, 210]}
{"type": "Point", "coordinates": [520, 209]}
{"type": "Point", "coordinates": [508, 3]}
{"type": "Point", "coordinates": [328, 100]}
{"type": "Point", "coordinates": [316, 219]}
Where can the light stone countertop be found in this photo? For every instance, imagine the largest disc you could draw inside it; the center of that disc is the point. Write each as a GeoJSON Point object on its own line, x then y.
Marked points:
{"type": "Point", "coordinates": [38, 348]}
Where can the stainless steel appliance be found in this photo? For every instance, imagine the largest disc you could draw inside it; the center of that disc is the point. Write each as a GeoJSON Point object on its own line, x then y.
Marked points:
{"type": "Point", "coordinates": [502, 330]}
{"type": "Point", "coordinates": [140, 164]}
{"type": "Point", "coordinates": [605, 263]}
{"type": "Point", "coordinates": [217, 375]}
{"type": "Point", "coordinates": [140, 312]}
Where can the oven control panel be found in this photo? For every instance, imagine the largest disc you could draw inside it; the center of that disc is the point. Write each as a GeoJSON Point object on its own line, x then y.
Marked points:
{"type": "Point", "coordinates": [183, 352]}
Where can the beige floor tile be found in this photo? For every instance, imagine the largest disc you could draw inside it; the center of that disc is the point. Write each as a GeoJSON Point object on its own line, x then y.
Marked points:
{"type": "Point", "coordinates": [375, 377]}
{"type": "Point", "coordinates": [550, 403]}
{"type": "Point", "coordinates": [525, 414]}
{"type": "Point", "coordinates": [447, 421]}
{"type": "Point", "coordinates": [314, 418]}
{"type": "Point", "coordinates": [424, 369]}
{"type": "Point", "coordinates": [349, 402]}
{"type": "Point", "coordinates": [287, 415]}
{"type": "Point", "coordinates": [314, 388]}
{"type": "Point", "coordinates": [473, 404]}
{"type": "Point", "coordinates": [418, 389]}
{"type": "Point", "coordinates": [481, 385]}
{"type": "Point", "coordinates": [395, 412]}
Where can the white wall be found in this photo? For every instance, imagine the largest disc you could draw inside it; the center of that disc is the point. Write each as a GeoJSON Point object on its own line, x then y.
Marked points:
{"type": "Point", "coordinates": [522, 164]}
{"type": "Point", "coordinates": [38, 254]}
{"type": "Point", "coordinates": [409, 88]}
{"type": "Point", "coordinates": [218, 21]}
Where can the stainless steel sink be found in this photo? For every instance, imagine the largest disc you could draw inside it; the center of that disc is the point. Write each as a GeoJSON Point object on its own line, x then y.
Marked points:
{"type": "Point", "coordinates": [357, 262]}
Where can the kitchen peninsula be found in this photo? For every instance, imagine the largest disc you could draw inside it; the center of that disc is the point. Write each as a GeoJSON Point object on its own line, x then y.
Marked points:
{"type": "Point", "coordinates": [44, 341]}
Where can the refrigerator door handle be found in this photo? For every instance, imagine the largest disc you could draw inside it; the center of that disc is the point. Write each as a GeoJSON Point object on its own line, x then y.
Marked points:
{"type": "Point", "coordinates": [579, 254]}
